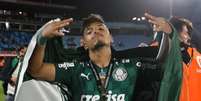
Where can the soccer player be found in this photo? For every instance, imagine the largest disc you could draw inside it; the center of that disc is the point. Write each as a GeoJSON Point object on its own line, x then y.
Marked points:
{"type": "Point", "coordinates": [101, 76]}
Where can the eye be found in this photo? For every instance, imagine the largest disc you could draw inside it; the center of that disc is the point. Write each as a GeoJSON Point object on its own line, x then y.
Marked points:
{"type": "Point", "coordinates": [88, 32]}
{"type": "Point", "coordinates": [101, 29]}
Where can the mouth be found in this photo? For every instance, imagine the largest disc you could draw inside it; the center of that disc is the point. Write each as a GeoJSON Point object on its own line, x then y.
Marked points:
{"type": "Point", "coordinates": [98, 45]}
{"type": "Point", "coordinates": [99, 34]}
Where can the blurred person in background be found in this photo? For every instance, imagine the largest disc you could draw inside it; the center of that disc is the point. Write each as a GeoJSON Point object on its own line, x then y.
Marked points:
{"type": "Point", "coordinates": [14, 66]}
{"type": "Point", "coordinates": [2, 62]}
{"type": "Point", "coordinates": [191, 82]}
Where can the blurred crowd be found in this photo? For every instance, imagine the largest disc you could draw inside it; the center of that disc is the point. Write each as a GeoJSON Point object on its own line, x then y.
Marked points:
{"type": "Point", "coordinates": [12, 40]}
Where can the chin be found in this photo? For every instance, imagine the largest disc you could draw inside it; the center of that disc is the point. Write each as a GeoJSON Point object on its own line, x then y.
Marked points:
{"type": "Point", "coordinates": [98, 45]}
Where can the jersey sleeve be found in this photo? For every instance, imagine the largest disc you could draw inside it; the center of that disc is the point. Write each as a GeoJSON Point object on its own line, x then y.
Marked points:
{"type": "Point", "coordinates": [64, 72]}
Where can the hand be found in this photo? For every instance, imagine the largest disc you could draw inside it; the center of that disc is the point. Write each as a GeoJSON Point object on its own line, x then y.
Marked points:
{"type": "Point", "coordinates": [13, 81]}
{"type": "Point", "coordinates": [159, 23]}
{"type": "Point", "coordinates": [53, 27]}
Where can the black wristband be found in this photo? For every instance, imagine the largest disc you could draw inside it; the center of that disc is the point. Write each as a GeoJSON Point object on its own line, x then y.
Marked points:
{"type": "Point", "coordinates": [41, 40]}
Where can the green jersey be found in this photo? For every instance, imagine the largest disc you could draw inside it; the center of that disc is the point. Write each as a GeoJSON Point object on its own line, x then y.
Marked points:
{"type": "Point", "coordinates": [82, 82]}
{"type": "Point", "coordinates": [14, 62]}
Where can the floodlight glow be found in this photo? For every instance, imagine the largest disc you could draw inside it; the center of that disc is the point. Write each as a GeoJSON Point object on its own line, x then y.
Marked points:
{"type": "Point", "coordinates": [134, 18]}
{"type": "Point", "coordinates": [20, 12]}
{"type": "Point", "coordinates": [7, 25]}
{"type": "Point", "coordinates": [138, 19]}
{"type": "Point", "coordinates": [143, 18]}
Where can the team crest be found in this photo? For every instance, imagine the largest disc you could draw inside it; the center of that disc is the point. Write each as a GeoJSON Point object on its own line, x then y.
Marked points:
{"type": "Point", "coordinates": [119, 74]}
{"type": "Point", "coordinates": [199, 61]}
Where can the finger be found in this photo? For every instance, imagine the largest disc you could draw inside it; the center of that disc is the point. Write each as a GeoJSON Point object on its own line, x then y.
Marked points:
{"type": "Point", "coordinates": [69, 19]}
{"type": "Point", "coordinates": [148, 16]}
{"type": "Point", "coordinates": [63, 23]}
{"type": "Point", "coordinates": [153, 22]}
{"type": "Point", "coordinates": [50, 21]}
{"type": "Point", "coordinates": [58, 33]}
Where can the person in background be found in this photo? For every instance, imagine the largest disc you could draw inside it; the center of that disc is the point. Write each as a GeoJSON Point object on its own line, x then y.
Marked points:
{"type": "Point", "coordinates": [16, 63]}
{"type": "Point", "coordinates": [191, 81]}
{"type": "Point", "coordinates": [2, 62]}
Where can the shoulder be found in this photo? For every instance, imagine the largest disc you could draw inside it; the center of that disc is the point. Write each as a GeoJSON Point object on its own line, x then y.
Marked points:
{"type": "Point", "coordinates": [14, 61]}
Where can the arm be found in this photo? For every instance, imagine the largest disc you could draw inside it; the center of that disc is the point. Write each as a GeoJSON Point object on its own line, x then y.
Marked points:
{"type": "Point", "coordinates": [159, 24]}
{"type": "Point", "coordinates": [162, 25]}
{"type": "Point", "coordinates": [37, 68]}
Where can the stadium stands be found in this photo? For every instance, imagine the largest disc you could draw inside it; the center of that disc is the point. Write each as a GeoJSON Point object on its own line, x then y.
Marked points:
{"type": "Point", "coordinates": [12, 40]}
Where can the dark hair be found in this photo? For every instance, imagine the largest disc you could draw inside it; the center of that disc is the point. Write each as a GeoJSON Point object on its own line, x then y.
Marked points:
{"type": "Point", "coordinates": [178, 23]}
{"type": "Point", "coordinates": [22, 47]}
{"type": "Point", "coordinates": [91, 19]}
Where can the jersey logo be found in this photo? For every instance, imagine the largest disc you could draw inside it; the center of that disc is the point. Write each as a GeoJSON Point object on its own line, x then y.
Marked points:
{"type": "Point", "coordinates": [85, 76]}
{"type": "Point", "coordinates": [199, 61]}
{"type": "Point", "coordinates": [66, 65]}
{"type": "Point", "coordinates": [138, 64]}
{"type": "Point", "coordinates": [110, 97]}
{"type": "Point", "coordinates": [119, 74]}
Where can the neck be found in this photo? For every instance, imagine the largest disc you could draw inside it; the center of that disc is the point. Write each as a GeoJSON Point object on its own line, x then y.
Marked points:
{"type": "Point", "coordinates": [101, 57]}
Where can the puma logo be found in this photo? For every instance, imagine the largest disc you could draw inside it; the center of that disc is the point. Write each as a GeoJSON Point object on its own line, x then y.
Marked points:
{"type": "Point", "coordinates": [85, 76]}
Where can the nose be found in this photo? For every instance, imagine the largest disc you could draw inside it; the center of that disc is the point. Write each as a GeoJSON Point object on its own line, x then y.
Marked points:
{"type": "Point", "coordinates": [93, 33]}
{"type": "Point", "coordinates": [96, 33]}
{"type": "Point", "coordinates": [187, 39]}
{"type": "Point", "coordinates": [186, 36]}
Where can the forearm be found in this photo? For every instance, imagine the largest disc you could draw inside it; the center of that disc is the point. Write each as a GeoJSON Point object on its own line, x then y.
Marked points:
{"type": "Point", "coordinates": [36, 60]}
{"type": "Point", "coordinates": [37, 68]}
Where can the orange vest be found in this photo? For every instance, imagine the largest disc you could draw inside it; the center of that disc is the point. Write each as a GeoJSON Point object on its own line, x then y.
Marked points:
{"type": "Point", "coordinates": [191, 81]}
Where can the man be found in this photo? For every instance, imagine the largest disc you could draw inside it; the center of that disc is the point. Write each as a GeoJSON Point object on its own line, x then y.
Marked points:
{"type": "Point", "coordinates": [16, 63]}
{"type": "Point", "coordinates": [191, 84]}
{"type": "Point", "coordinates": [101, 77]}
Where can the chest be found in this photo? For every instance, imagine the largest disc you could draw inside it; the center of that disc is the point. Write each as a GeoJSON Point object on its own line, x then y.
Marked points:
{"type": "Point", "coordinates": [121, 81]}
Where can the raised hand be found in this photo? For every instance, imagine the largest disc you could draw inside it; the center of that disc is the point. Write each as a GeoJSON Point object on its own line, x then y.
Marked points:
{"type": "Point", "coordinates": [53, 27]}
{"type": "Point", "coordinates": [159, 23]}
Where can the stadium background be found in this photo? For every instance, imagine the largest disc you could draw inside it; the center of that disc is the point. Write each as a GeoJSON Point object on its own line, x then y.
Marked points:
{"type": "Point", "coordinates": [19, 19]}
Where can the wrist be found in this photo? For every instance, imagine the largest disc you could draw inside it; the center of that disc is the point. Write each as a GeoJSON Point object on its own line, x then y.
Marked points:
{"type": "Point", "coordinates": [41, 40]}
{"type": "Point", "coordinates": [169, 28]}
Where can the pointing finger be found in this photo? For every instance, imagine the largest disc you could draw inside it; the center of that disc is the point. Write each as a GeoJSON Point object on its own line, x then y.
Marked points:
{"type": "Point", "coordinates": [58, 33]}
{"type": "Point", "coordinates": [63, 23]}
{"type": "Point", "coordinates": [148, 16]}
{"type": "Point", "coordinates": [152, 22]}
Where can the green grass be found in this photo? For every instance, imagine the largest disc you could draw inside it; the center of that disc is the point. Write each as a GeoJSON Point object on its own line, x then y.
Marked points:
{"type": "Point", "coordinates": [1, 92]}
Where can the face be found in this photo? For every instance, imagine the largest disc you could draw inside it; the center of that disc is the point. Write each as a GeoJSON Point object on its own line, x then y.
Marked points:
{"type": "Point", "coordinates": [22, 52]}
{"type": "Point", "coordinates": [184, 35]}
{"type": "Point", "coordinates": [96, 35]}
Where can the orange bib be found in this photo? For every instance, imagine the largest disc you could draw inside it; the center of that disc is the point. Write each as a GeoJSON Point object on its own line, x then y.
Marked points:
{"type": "Point", "coordinates": [191, 81]}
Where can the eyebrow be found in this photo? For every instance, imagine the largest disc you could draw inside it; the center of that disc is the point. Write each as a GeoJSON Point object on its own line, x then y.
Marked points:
{"type": "Point", "coordinates": [99, 24]}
